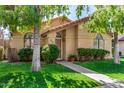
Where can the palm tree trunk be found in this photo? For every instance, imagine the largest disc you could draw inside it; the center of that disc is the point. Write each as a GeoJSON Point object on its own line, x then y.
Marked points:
{"type": "Point", "coordinates": [36, 50]}
{"type": "Point", "coordinates": [116, 49]}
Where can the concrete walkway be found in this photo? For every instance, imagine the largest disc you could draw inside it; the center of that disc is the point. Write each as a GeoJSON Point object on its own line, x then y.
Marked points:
{"type": "Point", "coordinates": [103, 79]}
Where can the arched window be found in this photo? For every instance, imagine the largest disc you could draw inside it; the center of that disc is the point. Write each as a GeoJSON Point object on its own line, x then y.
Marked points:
{"type": "Point", "coordinates": [58, 35]}
{"type": "Point", "coordinates": [28, 40]}
{"type": "Point", "coordinates": [99, 42]}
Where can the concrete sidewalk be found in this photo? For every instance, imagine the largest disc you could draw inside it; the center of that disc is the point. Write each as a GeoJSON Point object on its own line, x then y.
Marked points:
{"type": "Point", "coordinates": [103, 79]}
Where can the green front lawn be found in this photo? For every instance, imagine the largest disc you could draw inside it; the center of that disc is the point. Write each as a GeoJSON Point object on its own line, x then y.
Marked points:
{"type": "Point", "coordinates": [51, 76]}
{"type": "Point", "coordinates": [106, 67]}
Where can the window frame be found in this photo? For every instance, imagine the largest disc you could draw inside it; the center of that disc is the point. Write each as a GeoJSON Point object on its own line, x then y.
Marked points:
{"type": "Point", "coordinates": [97, 40]}
{"type": "Point", "coordinates": [26, 37]}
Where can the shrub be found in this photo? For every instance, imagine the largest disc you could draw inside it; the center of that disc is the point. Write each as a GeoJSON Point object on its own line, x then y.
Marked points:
{"type": "Point", "coordinates": [89, 54]}
{"type": "Point", "coordinates": [25, 54]}
{"type": "Point", "coordinates": [72, 56]}
{"type": "Point", "coordinates": [85, 53]}
{"type": "Point", "coordinates": [104, 53]}
{"type": "Point", "coordinates": [50, 53]}
{"type": "Point", "coordinates": [1, 53]}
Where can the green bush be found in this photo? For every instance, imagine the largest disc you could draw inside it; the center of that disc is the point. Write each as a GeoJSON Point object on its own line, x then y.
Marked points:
{"type": "Point", "coordinates": [50, 53]}
{"type": "Point", "coordinates": [89, 53]}
{"type": "Point", "coordinates": [25, 54]}
{"type": "Point", "coordinates": [72, 56]}
{"type": "Point", "coordinates": [85, 53]}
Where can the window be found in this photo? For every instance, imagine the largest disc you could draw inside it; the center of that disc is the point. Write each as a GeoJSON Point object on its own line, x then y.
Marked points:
{"type": "Point", "coordinates": [28, 40]}
{"type": "Point", "coordinates": [98, 42]}
{"type": "Point", "coordinates": [58, 35]}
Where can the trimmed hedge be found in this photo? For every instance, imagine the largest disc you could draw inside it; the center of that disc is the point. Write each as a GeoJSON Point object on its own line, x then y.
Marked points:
{"type": "Point", "coordinates": [90, 54]}
{"type": "Point", "coordinates": [50, 53]}
{"type": "Point", "coordinates": [25, 54]}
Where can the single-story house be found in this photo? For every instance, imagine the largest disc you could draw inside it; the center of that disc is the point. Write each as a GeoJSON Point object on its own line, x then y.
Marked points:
{"type": "Point", "coordinates": [68, 35]}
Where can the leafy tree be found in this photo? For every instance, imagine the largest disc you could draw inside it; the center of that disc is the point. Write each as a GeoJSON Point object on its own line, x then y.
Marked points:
{"type": "Point", "coordinates": [80, 9]}
{"type": "Point", "coordinates": [108, 19]}
{"type": "Point", "coordinates": [21, 18]}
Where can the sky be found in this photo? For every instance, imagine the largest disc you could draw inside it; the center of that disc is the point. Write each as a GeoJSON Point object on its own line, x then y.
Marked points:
{"type": "Point", "coordinates": [73, 16]}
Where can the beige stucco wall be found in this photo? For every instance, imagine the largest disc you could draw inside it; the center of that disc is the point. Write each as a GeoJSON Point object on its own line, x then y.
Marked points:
{"type": "Point", "coordinates": [17, 41]}
{"type": "Point", "coordinates": [70, 41]}
{"type": "Point", "coordinates": [51, 37]}
{"type": "Point", "coordinates": [43, 41]}
{"type": "Point", "coordinates": [74, 37]}
{"type": "Point", "coordinates": [108, 44]}
{"type": "Point", "coordinates": [121, 47]}
{"type": "Point", "coordinates": [86, 40]}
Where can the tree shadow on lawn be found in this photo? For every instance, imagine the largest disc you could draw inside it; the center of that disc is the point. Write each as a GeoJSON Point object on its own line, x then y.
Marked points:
{"type": "Point", "coordinates": [40, 80]}
{"type": "Point", "coordinates": [65, 82]}
{"type": "Point", "coordinates": [23, 80]}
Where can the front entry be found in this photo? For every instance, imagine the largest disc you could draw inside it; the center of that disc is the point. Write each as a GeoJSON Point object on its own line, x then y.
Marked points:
{"type": "Point", "coordinates": [58, 42]}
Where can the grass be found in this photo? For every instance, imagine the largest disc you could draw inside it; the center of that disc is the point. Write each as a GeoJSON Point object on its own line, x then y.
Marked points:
{"type": "Point", "coordinates": [106, 67]}
{"type": "Point", "coordinates": [19, 75]}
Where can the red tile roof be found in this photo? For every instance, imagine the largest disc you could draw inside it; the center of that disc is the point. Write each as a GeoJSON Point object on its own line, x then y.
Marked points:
{"type": "Point", "coordinates": [121, 39]}
{"type": "Point", "coordinates": [60, 27]}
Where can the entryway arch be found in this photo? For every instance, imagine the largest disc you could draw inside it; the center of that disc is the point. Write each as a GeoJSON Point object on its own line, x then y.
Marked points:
{"type": "Point", "coordinates": [58, 42]}
{"type": "Point", "coordinates": [28, 40]}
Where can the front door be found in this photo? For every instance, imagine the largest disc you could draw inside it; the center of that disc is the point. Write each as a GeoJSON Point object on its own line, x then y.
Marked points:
{"type": "Point", "coordinates": [58, 42]}
{"type": "Point", "coordinates": [59, 45]}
